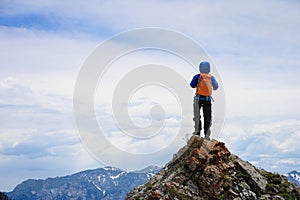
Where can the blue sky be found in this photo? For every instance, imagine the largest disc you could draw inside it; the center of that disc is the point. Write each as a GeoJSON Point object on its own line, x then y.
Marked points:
{"type": "Point", "coordinates": [254, 46]}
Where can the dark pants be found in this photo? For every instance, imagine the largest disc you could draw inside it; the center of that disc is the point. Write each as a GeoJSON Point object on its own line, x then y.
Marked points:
{"type": "Point", "coordinates": [206, 107]}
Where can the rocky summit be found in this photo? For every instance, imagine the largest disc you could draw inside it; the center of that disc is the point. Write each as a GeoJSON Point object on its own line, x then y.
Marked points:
{"type": "Point", "coordinates": [205, 169]}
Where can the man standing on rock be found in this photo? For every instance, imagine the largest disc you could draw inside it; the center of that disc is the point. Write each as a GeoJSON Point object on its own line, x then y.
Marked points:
{"type": "Point", "coordinates": [204, 84]}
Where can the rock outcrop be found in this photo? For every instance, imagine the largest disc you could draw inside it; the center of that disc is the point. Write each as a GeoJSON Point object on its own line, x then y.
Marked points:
{"type": "Point", "coordinates": [206, 169]}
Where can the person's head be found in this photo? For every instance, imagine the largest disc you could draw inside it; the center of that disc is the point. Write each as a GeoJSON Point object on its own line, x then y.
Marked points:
{"type": "Point", "coordinates": [204, 67]}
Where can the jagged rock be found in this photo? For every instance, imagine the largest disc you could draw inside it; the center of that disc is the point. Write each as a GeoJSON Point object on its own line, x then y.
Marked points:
{"type": "Point", "coordinates": [277, 197]}
{"type": "Point", "coordinates": [206, 169]}
{"type": "Point", "coordinates": [265, 197]}
{"type": "Point", "coordinates": [258, 182]}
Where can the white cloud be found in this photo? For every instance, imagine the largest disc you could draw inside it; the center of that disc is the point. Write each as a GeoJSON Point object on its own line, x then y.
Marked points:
{"type": "Point", "coordinates": [19, 94]}
{"type": "Point", "coordinates": [12, 138]}
{"type": "Point", "coordinates": [253, 44]}
{"type": "Point", "coordinates": [35, 143]}
{"type": "Point", "coordinates": [271, 145]}
{"type": "Point", "coordinates": [16, 168]}
{"type": "Point", "coordinates": [46, 62]}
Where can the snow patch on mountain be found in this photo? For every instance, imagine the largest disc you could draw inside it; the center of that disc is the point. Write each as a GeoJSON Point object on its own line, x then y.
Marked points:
{"type": "Point", "coordinates": [294, 176]}
{"type": "Point", "coordinates": [117, 176]}
{"type": "Point", "coordinates": [102, 183]}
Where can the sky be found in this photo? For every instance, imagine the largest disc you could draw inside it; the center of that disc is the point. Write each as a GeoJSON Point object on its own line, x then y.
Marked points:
{"type": "Point", "coordinates": [254, 47]}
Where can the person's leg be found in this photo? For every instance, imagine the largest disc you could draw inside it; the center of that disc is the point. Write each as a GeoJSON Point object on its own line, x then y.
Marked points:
{"type": "Point", "coordinates": [207, 118]}
{"type": "Point", "coordinates": [197, 117]}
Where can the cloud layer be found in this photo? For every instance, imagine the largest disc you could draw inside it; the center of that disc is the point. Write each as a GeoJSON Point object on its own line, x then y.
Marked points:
{"type": "Point", "coordinates": [254, 46]}
{"type": "Point", "coordinates": [268, 144]}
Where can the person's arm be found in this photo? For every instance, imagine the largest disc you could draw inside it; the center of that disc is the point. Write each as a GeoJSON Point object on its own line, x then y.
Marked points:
{"type": "Point", "coordinates": [214, 83]}
{"type": "Point", "coordinates": [194, 81]}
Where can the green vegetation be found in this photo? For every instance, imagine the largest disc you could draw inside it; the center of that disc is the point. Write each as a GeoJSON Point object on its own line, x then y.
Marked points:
{"type": "Point", "coordinates": [220, 197]}
{"type": "Point", "coordinates": [285, 184]}
{"type": "Point", "coordinates": [227, 185]}
{"type": "Point", "coordinates": [227, 182]}
{"type": "Point", "coordinates": [232, 157]}
{"type": "Point", "coordinates": [286, 196]}
{"type": "Point", "coordinates": [272, 177]}
{"type": "Point", "coordinates": [271, 188]}
{"type": "Point", "coordinates": [240, 175]}
{"type": "Point", "coordinates": [148, 186]}
{"type": "Point", "coordinates": [173, 192]}
{"type": "Point", "coordinates": [278, 185]}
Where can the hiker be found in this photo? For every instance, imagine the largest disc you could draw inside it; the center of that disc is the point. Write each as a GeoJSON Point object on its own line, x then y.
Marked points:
{"type": "Point", "coordinates": [204, 84]}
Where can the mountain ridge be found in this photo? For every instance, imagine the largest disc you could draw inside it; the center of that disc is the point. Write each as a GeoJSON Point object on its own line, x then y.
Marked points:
{"type": "Point", "coordinates": [101, 183]}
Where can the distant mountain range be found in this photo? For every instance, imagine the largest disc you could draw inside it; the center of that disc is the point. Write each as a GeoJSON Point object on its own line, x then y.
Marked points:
{"type": "Point", "coordinates": [294, 177]}
{"type": "Point", "coordinates": [103, 183]}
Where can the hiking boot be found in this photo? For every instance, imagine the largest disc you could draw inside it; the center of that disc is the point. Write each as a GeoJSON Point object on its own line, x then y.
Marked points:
{"type": "Point", "coordinates": [196, 133]}
{"type": "Point", "coordinates": [207, 137]}
{"type": "Point", "coordinates": [207, 134]}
